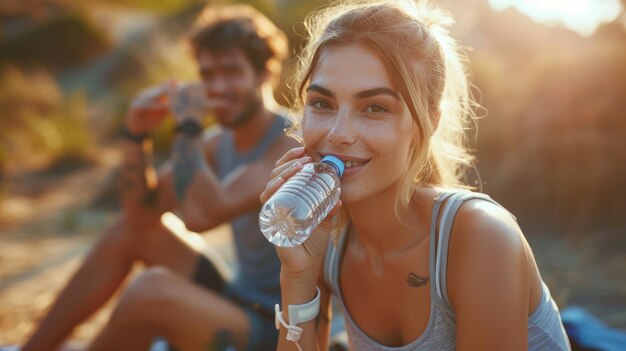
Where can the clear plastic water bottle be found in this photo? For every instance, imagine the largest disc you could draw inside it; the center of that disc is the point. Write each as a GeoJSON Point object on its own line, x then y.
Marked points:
{"type": "Point", "coordinates": [189, 100]}
{"type": "Point", "coordinates": [290, 215]}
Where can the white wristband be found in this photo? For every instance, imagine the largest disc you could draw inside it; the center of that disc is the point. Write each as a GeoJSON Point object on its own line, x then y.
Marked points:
{"type": "Point", "coordinates": [298, 314]}
{"type": "Point", "coordinates": [305, 312]}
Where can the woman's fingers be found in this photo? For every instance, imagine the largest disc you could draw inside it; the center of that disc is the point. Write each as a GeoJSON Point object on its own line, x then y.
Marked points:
{"type": "Point", "coordinates": [291, 154]}
{"type": "Point", "coordinates": [281, 174]}
{"type": "Point", "coordinates": [289, 164]}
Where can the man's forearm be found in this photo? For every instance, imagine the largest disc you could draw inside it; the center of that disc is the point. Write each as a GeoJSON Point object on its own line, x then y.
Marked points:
{"type": "Point", "coordinates": [196, 185]}
{"type": "Point", "coordinates": [188, 161]}
{"type": "Point", "coordinates": [138, 181]}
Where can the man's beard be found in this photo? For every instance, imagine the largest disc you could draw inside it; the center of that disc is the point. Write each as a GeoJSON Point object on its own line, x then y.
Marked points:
{"type": "Point", "coordinates": [253, 103]}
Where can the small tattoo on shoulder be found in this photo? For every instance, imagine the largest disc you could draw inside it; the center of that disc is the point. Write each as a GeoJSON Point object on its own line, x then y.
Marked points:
{"type": "Point", "coordinates": [415, 281]}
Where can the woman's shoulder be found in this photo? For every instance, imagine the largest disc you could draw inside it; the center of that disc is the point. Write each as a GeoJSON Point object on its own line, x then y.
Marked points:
{"type": "Point", "coordinates": [489, 271]}
{"type": "Point", "coordinates": [482, 224]}
{"type": "Point", "coordinates": [487, 248]}
{"type": "Point", "coordinates": [474, 217]}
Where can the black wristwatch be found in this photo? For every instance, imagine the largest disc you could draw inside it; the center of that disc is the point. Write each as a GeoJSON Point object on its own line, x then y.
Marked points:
{"type": "Point", "coordinates": [130, 136]}
{"type": "Point", "coordinates": [189, 128]}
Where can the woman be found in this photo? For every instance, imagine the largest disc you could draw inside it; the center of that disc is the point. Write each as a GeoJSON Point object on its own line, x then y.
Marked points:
{"type": "Point", "coordinates": [416, 261]}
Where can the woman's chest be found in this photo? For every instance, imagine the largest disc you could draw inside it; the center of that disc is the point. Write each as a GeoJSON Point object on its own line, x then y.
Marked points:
{"type": "Point", "coordinates": [389, 302]}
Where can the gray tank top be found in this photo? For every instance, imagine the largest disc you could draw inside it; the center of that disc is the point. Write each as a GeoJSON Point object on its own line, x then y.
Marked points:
{"type": "Point", "coordinates": [545, 330]}
{"type": "Point", "coordinates": [256, 277]}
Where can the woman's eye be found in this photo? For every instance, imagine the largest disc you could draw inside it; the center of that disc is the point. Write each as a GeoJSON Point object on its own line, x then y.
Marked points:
{"type": "Point", "coordinates": [320, 105]}
{"type": "Point", "coordinates": [375, 109]}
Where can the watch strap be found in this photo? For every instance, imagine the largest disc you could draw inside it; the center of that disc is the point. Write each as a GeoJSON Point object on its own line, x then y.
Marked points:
{"type": "Point", "coordinates": [136, 138]}
{"type": "Point", "coordinates": [189, 128]}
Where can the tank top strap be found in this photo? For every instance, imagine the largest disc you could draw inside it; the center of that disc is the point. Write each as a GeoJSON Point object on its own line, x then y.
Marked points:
{"type": "Point", "coordinates": [451, 203]}
{"type": "Point", "coordinates": [277, 129]}
{"type": "Point", "coordinates": [224, 155]}
{"type": "Point", "coordinates": [439, 200]}
{"type": "Point", "coordinates": [227, 157]}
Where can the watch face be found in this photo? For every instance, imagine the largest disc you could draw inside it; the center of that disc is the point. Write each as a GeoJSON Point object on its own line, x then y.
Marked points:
{"type": "Point", "coordinates": [190, 128]}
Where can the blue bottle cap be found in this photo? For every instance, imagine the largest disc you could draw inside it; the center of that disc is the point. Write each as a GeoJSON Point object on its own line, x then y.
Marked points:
{"type": "Point", "coordinates": [335, 162]}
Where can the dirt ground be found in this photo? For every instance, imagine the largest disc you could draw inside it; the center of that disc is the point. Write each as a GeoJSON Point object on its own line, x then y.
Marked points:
{"type": "Point", "coordinates": [47, 225]}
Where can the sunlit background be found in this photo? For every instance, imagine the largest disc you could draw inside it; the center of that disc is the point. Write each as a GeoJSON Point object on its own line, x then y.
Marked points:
{"type": "Point", "coordinates": [581, 16]}
{"type": "Point", "coordinates": [551, 142]}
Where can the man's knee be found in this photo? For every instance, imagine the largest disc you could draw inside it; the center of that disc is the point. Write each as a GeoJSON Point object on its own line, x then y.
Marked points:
{"type": "Point", "coordinates": [116, 240]}
{"type": "Point", "coordinates": [139, 243]}
{"type": "Point", "coordinates": [150, 295]}
{"type": "Point", "coordinates": [121, 239]}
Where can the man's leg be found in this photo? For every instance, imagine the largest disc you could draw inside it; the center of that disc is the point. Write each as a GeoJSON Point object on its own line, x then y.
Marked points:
{"type": "Point", "coordinates": [162, 303]}
{"type": "Point", "coordinates": [105, 269]}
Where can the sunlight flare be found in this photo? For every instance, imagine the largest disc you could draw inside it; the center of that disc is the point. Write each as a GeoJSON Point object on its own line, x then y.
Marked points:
{"type": "Point", "coordinates": [582, 16]}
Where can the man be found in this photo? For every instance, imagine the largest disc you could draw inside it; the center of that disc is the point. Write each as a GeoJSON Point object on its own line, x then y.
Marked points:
{"type": "Point", "coordinates": [212, 180]}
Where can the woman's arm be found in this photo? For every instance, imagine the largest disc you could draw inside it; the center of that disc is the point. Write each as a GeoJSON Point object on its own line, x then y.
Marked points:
{"type": "Point", "coordinates": [315, 333]}
{"type": "Point", "coordinates": [322, 322]}
{"type": "Point", "coordinates": [301, 265]}
{"type": "Point", "coordinates": [488, 279]}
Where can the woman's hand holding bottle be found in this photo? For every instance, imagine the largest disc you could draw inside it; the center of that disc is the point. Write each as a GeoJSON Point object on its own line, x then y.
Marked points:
{"type": "Point", "coordinates": [302, 262]}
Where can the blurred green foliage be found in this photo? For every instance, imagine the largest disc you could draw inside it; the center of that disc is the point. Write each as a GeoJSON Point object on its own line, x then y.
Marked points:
{"type": "Point", "coordinates": [59, 42]}
{"type": "Point", "coordinates": [42, 126]}
{"type": "Point", "coordinates": [162, 6]}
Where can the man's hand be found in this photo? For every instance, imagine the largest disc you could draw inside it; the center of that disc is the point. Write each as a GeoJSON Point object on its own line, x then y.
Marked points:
{"type": "Point", "coordinates": [149, 108]}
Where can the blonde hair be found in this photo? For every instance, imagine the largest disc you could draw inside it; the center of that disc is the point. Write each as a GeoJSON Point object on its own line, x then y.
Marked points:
{"type": "Point", "coordinates": [427, 66]}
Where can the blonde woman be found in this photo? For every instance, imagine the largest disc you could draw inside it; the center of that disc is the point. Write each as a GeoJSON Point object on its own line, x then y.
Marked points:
{"type": "Point", "coordinates": [416, 261]}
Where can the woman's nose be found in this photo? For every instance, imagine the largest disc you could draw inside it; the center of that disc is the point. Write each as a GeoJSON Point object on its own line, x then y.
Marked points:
{"type": "Point", "coordinates": [341, 132]}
